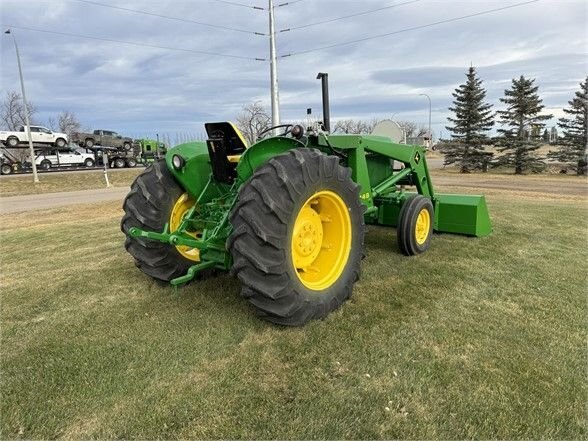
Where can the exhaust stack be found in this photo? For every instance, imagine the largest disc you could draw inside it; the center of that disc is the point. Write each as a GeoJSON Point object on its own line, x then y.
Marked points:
{"type": "Point", "coordinates": [324, 77]}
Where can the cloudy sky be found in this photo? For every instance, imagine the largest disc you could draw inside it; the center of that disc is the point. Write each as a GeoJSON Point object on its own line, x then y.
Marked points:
{"type": "Point", "coordinates": [164, 83]}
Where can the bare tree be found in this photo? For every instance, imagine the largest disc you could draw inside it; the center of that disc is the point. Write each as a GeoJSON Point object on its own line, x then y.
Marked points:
{"type": "Point", "coordinates": [68, 123]}
{"type": "Point", "coordinates": [410, 128]}
{"type": "Point", "coordinates": [355, 126]}
{"type": "Point", "coordinates": [52, 123]}
{"type": "Point", "coordinates": [252, 120]}
{"type": "Point", "coordinates": [12, 114]}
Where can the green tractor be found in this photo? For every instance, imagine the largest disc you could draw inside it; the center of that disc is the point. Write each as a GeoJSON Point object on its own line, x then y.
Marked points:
{"type": "Point", "coordinates": [286, 215]}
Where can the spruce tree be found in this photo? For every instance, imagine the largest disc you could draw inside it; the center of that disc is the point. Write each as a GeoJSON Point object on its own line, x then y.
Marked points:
{"type": "Point", "coordinates": [473, 118]}
{"type": "Point", "coordinates": [572, 149]}
{"type": "Point", "coordinates": [521, 137]}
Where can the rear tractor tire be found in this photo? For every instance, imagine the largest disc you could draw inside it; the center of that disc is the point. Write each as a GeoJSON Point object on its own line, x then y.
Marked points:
{"type": "Point", "coordinates": [415, 225]}
{"type": "Point", "coordinates": [297, 241]}
{"type": "Point", "coordinates": [119, 163]}
{"type": "Point", "coordinates": [154, 200]}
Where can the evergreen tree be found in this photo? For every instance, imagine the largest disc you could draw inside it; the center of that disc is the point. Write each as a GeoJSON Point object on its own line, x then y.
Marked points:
{"type": "Point", "coordinates": [473, 118]}
{"type": "Point", "coordinates": [574, 142]}
{"type": "Point", "coordinates": [521, 137]}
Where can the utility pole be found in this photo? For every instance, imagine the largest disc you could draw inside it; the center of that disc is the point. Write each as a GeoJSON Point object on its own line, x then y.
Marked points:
{"type": "Point", "coordinates": [26, 110]}
{"type": "Point", "coordinates": [275, 96]}
{"type": "Point", "coordinates": [430, 133]}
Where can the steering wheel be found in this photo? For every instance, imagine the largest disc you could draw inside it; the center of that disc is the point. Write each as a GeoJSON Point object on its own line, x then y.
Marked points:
{"type": "Point", "coordinates": [287, 129]}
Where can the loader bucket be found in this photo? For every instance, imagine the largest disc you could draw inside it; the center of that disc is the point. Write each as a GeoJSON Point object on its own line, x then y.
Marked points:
{"type": "Point", "coordinates": [462, 214]}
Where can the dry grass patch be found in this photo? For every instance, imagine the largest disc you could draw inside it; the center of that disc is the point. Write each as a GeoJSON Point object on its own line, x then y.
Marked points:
{"type": "Point", "coordinates": [477, 338]}
{"type": "Point", "coordinates": [70, 181]}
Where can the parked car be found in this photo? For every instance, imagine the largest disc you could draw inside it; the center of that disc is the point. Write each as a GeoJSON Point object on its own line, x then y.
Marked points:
{"type": "Point", "coordinates": [64, 157]}
{"type": "Point", "coordinates": [102, 137]}
{"type": "Point", "coordinates": [39, 135]}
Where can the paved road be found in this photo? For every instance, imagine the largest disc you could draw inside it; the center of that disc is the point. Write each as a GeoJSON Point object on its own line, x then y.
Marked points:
{"type": "Point", "coordinates": [65, 172]}
{"type": "Point", "coordinates": [29, 202]}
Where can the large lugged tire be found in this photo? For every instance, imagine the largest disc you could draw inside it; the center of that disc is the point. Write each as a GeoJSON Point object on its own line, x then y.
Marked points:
{"type": "Point", "coordinates": [153, 198]}
{"type": "Point", "coordinates": [415, 225]}
{"type": "Point", "coordinates": [297, 240]}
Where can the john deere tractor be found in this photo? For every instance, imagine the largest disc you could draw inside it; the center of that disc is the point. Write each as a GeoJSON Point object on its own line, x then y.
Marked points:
{"type": "Point", "coordinates": [287, 214]}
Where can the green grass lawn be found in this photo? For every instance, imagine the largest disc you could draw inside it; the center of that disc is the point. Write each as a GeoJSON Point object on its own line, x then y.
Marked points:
{"type": "Point", "coordinates": [477, 338]}
{"type": "Point", "coordinates": [69, 181]}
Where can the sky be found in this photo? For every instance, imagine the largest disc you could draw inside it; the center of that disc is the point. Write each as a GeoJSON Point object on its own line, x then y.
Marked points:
{"type": "Point", "coordinates": [199, 60]}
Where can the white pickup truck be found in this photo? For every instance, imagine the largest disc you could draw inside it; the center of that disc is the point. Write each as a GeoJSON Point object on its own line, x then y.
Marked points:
{"type": "Point", "coordinates": [64, 158]}
{"type": "Point", "coordinates": [39, 134]}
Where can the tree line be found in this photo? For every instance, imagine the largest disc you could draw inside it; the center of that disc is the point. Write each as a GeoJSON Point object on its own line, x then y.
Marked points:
{"type": "Point", "coordinates": [522, 128]}
{"type": "Point", "coordinates": [470, 147]}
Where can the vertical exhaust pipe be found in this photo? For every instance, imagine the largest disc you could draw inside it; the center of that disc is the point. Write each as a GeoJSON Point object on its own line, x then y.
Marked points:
{"type": "Point", "coordinates": [324, 77]}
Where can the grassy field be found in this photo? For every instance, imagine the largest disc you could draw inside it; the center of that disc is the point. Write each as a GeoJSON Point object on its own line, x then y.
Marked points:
{"type": "Point", "coordinates": [477, 338]}
{"type": "Point", "coordinates": [68, 181]}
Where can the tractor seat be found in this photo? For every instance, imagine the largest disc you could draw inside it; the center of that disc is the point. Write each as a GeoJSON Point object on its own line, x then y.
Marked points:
{"type": "Point", "coordinates": [225, 145]}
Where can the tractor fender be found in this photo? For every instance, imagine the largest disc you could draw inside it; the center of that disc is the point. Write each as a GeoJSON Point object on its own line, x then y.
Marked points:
{"type": "Point", "coordinates": [194, 175]}
{"type": "Point", "coordinates": [261, 152]}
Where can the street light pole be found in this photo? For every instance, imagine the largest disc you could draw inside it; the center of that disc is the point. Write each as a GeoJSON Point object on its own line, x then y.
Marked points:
{"type": "Point", "coordinates": [430, 133]}
{"type": "Point", "coordinates": [26, 110]}
{"type": "Point", "coordinates": [275, 96]}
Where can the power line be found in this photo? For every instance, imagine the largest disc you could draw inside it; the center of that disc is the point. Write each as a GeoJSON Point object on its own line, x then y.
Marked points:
{"type": "Point", "coordinates": [132, 43]}
{"type": "Point", "coordinates": [185, 20]}
{"type": "Point", "coordinates": [414, 28]}
{"type": "Point", "coordinates": [347, 16]}
{"type": "Point", "coordinates": [288, 3]}
{"type": "Point", "coordinates": [240, 4]}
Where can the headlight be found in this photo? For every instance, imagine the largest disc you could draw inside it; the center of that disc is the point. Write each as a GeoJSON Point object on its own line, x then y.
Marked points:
{"type": "Point", "coordinates": [178, 162]}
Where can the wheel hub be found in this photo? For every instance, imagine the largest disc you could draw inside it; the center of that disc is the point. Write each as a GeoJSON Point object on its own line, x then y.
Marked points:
{"type": "Point", "coordinates": [321, 240]}
{"type": "Point", "coordinates": [422, 227]}
{"type": "Point", "coordinates": [307, 237]}
{"type": "Point", "coordinates": [179, 210]}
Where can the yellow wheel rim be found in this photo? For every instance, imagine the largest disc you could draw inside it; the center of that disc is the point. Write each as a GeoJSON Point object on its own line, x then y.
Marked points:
{"type": "Point", "coordinates": [179, 210]}
{"type": "Point", "coordinates": [321, 240]}
{"type": "Point", "coordinates": [422, 227]}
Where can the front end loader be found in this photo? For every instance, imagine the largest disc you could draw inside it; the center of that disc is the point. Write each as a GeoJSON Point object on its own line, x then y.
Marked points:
{"type": "Point", "coordinates": [287, 214]}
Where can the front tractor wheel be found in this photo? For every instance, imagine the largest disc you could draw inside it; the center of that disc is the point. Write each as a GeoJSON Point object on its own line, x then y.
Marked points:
{"type": "Point", "coordinates": [154, 200]}
{"type": "Point", "coordinates": [415, 225]}
{"type": "Point", "coordinates": [297, 240]}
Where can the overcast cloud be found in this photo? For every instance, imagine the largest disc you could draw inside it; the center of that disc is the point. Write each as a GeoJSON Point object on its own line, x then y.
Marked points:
{"type": "Point", "coordinates": [141, 91]}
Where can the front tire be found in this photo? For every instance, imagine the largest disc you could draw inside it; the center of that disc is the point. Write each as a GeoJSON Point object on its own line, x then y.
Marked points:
{"type": "Point", "coordinates": [297, 239]}
{"type": "Point", "coordinates": [89, 162]}
{"type": "Point", "coordinates": [45, 164]}
{"type": "Point", "coordinates": [89, 143]}
{"type": "Point", "coordinates": [60, 142]}
{"type": "Point", "coordinates": [415, 225]}
{"type": "Point", "coordinates": [6, 169]}
{"type": "Point", "coordinates": [150, 205]}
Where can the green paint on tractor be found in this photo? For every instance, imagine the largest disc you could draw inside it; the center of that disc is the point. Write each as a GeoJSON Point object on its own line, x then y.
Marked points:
{"type": "Point", "coordinates": [286, 215]}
